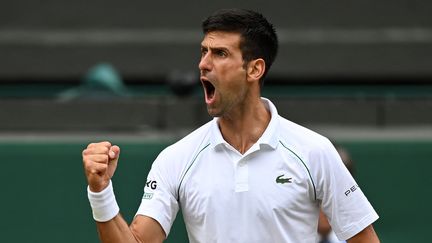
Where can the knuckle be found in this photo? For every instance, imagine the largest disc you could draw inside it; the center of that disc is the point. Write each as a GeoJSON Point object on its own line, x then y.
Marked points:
{"type": "Point", "coordinates": [98, 144]}
{"type": "Point", "coordinates": [104, 167]}
{"type": "Point", "coordinates": [106, 144]}
{"type": "Point", "coordinates": [88, 167]}
{"type": "Point", "coordinates": [95, 171]}
{"type": "Point", "coordinates": [104, 157]}
{"type": "Point", "coordinates": [104, 150]}
{"type": "Point", "coordinates": [85, 160]}
{"type": "Point", "coordinates": [97, 158]}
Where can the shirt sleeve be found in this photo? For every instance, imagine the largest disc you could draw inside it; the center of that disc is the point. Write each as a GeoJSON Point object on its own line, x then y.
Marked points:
{"type": "Point", "coordinates": [159, 199]}
{"type": "Point", "coordinates": [342, 199]}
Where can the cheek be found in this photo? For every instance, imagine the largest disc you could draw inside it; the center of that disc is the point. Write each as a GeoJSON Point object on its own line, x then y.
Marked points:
{"type": "Point", "coordinates": [233, 73]}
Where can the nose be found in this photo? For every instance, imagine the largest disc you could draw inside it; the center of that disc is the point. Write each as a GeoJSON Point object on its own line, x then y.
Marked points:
{"type": "Point", "coordinates": [205, 62]}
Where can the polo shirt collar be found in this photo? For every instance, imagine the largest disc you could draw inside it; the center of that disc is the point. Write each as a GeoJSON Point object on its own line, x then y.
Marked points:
{"type": "Point", "coordinates": [269, 137]}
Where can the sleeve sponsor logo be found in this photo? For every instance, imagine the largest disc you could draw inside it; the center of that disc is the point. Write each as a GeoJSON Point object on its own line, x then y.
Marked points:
{"type": "Point", "coordinates": [147, 195]}
{"type": "Point", "coordinates": [351, 190]}
{"type": "Point", "coordinates": [151, 184]}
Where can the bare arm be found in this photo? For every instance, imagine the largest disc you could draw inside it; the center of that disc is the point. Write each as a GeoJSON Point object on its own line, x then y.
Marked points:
{"type": "Point", "coordinates": [367, 235]}
{"type": "Point", "coordinates": [142, 230]}
{"type": "Point", "coordinates": [324, 227]}
{"type": "Point", "coordinates": [100, 162]}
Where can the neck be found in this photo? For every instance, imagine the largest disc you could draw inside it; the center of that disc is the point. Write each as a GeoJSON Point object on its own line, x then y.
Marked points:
{"type": "Point", "coordinates": [245, 126]}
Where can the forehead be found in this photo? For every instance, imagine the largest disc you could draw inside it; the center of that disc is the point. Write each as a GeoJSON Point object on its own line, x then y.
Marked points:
{"type": "Point", "coordinates": [214, 39]}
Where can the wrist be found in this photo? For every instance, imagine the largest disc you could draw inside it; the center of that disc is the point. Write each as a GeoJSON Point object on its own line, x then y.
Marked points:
{"type": "Point", "coordinates": [104, 205]}
{"type": "Point", "coordinates": [98, 187]}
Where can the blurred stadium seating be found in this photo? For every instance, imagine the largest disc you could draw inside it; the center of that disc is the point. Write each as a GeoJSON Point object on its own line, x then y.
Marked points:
{"type": "Point", "coordinates": [61, 39]}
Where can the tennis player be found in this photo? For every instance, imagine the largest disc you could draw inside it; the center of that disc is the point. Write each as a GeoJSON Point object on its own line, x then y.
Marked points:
{"type": "Point", "coordinates": [249, 175]}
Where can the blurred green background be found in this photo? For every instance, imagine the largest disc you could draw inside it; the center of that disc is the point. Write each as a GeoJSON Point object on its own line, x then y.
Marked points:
{"type": "Point", "coordinates": [73, 72]}
{"type": "Point", "coordinates": [44, 189]}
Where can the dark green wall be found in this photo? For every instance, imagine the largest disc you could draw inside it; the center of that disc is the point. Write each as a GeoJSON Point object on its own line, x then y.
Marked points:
{"type": "Point", "coordinates": [44, 190]}
{"type": "Point", "coordinates": [395, 175]}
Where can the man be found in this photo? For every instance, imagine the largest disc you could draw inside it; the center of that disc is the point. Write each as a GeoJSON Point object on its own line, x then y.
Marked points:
{"type": "Point", "coordinates": [248, 175]}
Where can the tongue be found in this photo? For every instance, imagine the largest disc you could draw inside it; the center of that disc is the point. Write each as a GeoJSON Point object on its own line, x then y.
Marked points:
{"type": "Point", "coordinates": [209, 90]}
{"type": "Point", "coordinates": [210, 95]}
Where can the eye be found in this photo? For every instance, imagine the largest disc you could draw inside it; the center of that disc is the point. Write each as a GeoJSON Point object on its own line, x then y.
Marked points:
{"type": "Point", "coordinates": [221, 53]}
{"type": "Point", "coordinates": [203, 51]}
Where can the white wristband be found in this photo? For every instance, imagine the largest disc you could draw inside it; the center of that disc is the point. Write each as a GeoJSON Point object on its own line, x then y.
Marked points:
{"type": "Point", "coordinates": [103, 204]}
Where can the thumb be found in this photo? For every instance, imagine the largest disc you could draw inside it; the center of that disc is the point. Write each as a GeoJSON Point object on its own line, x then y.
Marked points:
{"type": "Point", "coordinates": [114, 153]}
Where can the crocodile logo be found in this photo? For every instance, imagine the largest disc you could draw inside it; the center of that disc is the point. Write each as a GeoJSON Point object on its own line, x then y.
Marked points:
{"type": "Point", "coordinates": [281, 180]}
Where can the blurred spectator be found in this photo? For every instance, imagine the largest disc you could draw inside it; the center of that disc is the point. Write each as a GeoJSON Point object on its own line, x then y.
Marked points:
{"type": "Point", "coordinates": [101, 81]}
{"type": "Point", "coordinates": [324, 227]}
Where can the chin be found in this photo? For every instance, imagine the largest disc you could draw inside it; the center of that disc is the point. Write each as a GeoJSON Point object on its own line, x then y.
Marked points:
{"type": "Point", "coordinates": [213, 113]}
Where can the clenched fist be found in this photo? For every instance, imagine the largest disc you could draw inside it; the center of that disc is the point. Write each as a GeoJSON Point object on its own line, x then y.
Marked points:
{"type": "Point", "coordinates": [100, 162]}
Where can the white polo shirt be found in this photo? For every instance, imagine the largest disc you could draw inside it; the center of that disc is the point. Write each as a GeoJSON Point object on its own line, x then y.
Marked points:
{"type": "Point", "coordinates": [272, 193]}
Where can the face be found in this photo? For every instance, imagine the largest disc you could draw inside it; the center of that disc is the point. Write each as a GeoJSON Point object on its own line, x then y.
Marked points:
{"type": "Point", "coordinates": [223, 74]}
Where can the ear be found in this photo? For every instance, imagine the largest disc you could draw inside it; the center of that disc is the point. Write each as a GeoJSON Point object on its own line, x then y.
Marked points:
{"type": "Point", "coordinates": [256, 69]}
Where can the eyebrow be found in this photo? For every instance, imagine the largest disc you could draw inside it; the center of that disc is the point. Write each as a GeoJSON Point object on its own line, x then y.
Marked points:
{"type": "Point", "coordinates": [213, 49]}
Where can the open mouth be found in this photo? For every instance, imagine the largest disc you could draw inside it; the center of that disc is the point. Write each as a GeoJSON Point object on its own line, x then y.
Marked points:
{"type": "Point", "coordinates": [209, 90]}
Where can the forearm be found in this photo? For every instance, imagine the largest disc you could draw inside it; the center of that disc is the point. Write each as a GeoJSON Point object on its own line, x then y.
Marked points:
{"type": "Point", "coordinates": [110, 224]}
{"type": "Point", "coordinates": [100, 161]}
{"type": "Point", "coordinates": [368, 235]}
{"type": "Point", "coordinates": [115, 231]}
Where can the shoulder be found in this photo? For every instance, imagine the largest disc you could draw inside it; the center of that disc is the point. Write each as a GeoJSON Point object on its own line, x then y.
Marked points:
{"type": "Point", "coordinates": [314, 149]}
{"type": "Point", "coordinates": [194, 140]}
{"type": "Point", "coordinates": [184, 149]}
{"type": "Point", "coordinates": [302, 138]}
{"type": "Point", "coordinates": [172, 162]}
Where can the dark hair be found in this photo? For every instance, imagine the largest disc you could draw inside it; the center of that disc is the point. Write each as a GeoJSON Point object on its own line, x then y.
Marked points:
{"type": "Point", "coordinates": [258, 36]}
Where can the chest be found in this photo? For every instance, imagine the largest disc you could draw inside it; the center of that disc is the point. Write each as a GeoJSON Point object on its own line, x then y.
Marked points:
{"type": "Point", "coordinates": [263, 183]}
